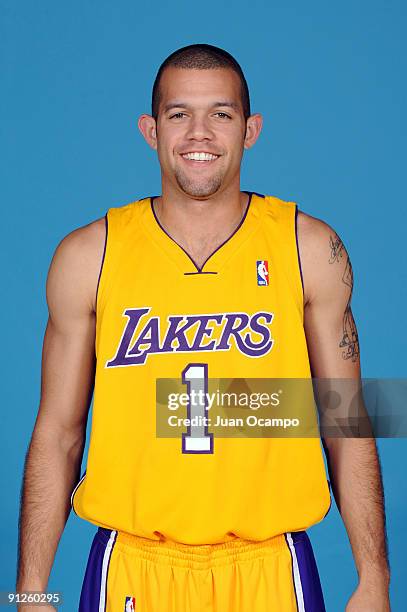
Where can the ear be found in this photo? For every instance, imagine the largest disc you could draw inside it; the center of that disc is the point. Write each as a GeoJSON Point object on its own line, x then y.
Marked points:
{"type": "Point", "coordinates": [253, 128]}
{"type": "Point", "coordinates": [148, 127]}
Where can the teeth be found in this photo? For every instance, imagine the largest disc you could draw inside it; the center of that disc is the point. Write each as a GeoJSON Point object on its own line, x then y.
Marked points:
{"type": "Point", "coordinates": [200, 156]}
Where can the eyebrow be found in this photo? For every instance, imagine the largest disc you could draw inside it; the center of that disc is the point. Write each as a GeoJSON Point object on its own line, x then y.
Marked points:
{"type": "Point", "coordinates": [179, 104]}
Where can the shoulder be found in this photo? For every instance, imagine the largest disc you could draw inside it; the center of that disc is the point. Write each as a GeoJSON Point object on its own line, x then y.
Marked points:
{"type": "Point", "coordinates": [324, 258]}
{"type": "Point", "coordinates": [82, 245]}
{"type": "Point", "coordinates": [75, 266]}
{"type": "Point", "coordinates": [313, 233]}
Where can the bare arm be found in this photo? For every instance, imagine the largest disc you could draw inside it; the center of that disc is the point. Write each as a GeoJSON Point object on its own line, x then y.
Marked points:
{"type": "Point", "coordinates": [333, 346]}
{"type": "Point", "coordinates": [55, 452]}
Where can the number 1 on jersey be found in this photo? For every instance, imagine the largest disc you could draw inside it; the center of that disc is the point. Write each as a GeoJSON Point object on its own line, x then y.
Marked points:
{"type": "Point", "coordinates": [197, 439]}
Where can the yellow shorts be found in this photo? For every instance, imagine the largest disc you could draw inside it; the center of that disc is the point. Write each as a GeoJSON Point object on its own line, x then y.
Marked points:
{"type": "Point", "coordinates": [127, 573]}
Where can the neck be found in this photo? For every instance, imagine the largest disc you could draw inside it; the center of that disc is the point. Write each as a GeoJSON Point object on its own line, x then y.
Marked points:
{"type": "Point", "coordinates": [200, 225]}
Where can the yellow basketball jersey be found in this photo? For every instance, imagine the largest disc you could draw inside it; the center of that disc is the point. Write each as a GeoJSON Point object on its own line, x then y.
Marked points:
{"type": "Point", "coordinates": [239, 316]}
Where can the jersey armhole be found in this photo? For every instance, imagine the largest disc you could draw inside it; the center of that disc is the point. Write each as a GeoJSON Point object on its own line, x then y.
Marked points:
{"type": "Point", "coordinates": [101, 263]}
{"type": "Point", "coordinates": [298, 249]}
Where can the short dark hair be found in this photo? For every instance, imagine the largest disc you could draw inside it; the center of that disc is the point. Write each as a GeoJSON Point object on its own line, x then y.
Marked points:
{"type": "Point", "coordinates": [201, 57]}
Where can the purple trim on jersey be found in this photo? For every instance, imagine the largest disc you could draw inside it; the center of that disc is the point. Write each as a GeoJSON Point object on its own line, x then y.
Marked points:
{"type": "Point", "coordinates": [330, 498]}
{"type": "Point", "coordinates": [92, 582]}
{"type": "Point", "coordinates": [298, 250]}
{"type": "Point", "coordinates": [170, 237]}
{"type": "Point", "coordinates": [234, 232]}
{"type": "Point", "coordinates": [192, 273]}
{"type": "Point", "coordinates": [312, 596]}
{"type": "Point", "coordinates": [75, 489]}
{"type": "Point", "coordinates": [199, 269]}
{"type": "Point", "coordinates": [103, 260]}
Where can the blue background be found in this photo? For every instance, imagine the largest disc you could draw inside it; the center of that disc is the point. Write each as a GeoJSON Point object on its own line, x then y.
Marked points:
{"type": "Point", "coordinates": [329, 79]}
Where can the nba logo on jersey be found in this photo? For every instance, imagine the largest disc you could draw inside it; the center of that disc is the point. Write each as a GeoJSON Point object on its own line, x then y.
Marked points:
{"type": "Point", "coordinates": [262, 272]}
{"type": "Point", "coordinates": [130, 604]}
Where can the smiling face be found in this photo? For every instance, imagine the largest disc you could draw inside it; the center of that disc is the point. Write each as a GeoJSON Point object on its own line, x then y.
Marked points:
{"type": "Point", "coordinates": [200, 130]}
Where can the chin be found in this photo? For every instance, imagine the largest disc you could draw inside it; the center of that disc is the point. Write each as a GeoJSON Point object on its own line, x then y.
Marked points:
{"type": "Point", "coordinates": [200, 193]}
{"type": "Point", "coordinates": [199, 190]}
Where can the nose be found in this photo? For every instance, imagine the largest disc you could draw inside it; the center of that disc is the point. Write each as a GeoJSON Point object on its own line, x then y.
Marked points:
{"type": "Point", "coordinates": [199, 129]}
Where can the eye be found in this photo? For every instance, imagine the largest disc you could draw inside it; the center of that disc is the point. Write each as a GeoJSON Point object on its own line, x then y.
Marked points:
{"type": "Point", "coordinates": [177, 115]}
{"type": "Point", "coordinates": [224, 115]}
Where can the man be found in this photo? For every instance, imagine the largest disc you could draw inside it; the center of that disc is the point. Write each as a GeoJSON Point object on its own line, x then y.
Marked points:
{"type": "Point", "coordinates": [204, 280]}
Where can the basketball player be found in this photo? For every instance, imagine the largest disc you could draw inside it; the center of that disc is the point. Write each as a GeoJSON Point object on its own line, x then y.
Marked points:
{"type": "Point", "coordinates": [203, 280]}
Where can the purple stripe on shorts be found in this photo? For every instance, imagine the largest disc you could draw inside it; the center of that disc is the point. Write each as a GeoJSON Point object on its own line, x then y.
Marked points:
{"type": "Point", "coordinates": [301, 549]}
{"type": "Point", "coordinates": [95, 580]}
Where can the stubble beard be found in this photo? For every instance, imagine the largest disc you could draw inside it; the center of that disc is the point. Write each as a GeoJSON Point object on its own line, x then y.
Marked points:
{"type": "Point", "coordinates": [203, 187]}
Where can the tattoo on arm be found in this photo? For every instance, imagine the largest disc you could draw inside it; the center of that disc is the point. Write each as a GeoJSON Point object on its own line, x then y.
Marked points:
{"type": "Point", "coordinates": [349, 341]}
{"type": "Point", "coordinates": [337, 247]}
